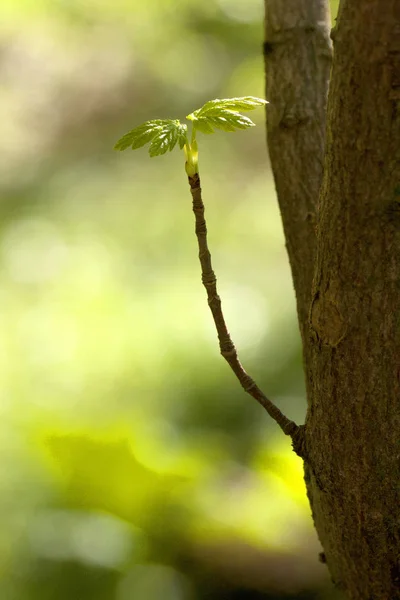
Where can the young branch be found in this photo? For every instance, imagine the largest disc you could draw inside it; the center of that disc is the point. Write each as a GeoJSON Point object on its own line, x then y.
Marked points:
{"type": "Point", "coordinates": [163, 135]}
{"type": "Point", "coordinates": [226, 345]}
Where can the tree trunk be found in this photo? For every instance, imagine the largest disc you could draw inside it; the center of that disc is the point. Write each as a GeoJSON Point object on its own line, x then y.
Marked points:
{"type": "Point", "coordinates": [349, 311]}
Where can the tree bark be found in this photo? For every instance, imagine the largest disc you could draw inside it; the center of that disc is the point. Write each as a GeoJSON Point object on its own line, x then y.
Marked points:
{"type": "Point", "coordinates": [352, 338]}
{"type": "Point", "coordinates": [297, 52]}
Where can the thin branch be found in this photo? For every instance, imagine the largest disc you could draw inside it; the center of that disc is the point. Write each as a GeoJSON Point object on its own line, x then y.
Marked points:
{"type": "Point", "coordinates": [226, 345]}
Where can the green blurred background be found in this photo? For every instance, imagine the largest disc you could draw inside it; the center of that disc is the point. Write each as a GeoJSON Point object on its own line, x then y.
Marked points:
{"type": "Point", "coordinates": [133, 467]}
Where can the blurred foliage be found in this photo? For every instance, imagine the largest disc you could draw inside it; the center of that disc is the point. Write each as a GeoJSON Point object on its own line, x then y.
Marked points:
{"type": "Point", "coordinates": [133, 466]}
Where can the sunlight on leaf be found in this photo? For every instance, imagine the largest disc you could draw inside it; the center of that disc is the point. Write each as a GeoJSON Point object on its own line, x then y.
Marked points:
{"type": "Point", "coordinates": [235, 104]}
{"type": "Point", "coordinates": [223, 114]}
{"type": "Point", "coordinates": [163, 135]}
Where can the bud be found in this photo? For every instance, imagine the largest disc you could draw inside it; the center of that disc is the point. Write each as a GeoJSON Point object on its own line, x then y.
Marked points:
{"type": "Point", "coordinates": [192, 154]}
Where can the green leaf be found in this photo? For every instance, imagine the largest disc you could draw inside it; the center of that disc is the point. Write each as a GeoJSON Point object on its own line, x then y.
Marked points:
{"type": "Point", "coordinates": [204, 126]}
{"type": "Point", "coordinates": [223, 114]}
{"type": "Point", "coordinates": [234, 104]}
{"type": "Point", "coordinates": [162, 134]}
{"type": "Point", "coordinates": [182, 134]}
{"type": "Point", "coordinates": [140, 135]}
{"type": "Point", "coordinates": [167, 137]}
{"type": "Point", "coordinates": [226, 120]}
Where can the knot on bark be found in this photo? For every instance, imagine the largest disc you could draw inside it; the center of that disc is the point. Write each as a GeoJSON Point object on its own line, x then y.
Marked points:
{"type": "Point", "coordinates": [327, 320]}
{"type": "Point", "coordinates": [209, 279]}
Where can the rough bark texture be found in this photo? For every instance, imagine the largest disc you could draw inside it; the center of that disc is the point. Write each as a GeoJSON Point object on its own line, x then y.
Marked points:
{"type": "Point", "coordinates": [353, 425]}
{"type": "Point", "coordinates": [352, 339]}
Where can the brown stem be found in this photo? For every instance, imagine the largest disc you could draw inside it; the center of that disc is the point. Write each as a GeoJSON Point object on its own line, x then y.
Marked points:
{"type": "Point", "coordinates": [226, 345]}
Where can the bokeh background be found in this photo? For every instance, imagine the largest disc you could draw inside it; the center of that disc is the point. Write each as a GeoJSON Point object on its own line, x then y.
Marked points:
{"type": "Point", "coordinates": [133, 467]}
